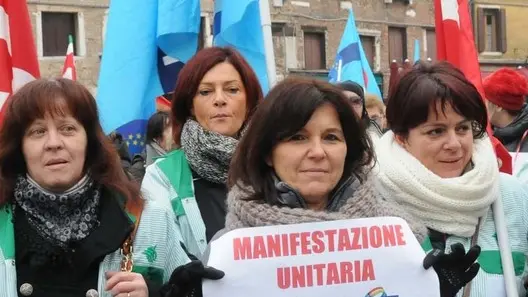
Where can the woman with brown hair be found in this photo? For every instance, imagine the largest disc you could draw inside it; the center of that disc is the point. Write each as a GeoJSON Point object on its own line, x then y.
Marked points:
{"type": "Point", "coordinates": [215, 96]}
{"type": "Point", "coordinates": [71, 222]}
{"type": "Point", "coordinates": [306, 158]}
{"type": "Point", "coordinates": [438, 163]}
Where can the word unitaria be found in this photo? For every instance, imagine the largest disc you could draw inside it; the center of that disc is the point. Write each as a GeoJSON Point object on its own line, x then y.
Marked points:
{"type": "Point", "coordinates": [317, 242]}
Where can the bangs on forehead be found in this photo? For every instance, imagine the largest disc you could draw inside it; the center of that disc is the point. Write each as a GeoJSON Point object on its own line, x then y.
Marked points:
{"type": "Point", "coordinates": [55, 108]}
{"type": "Point", "coordinates": [426, 85]}
{"type": "Point", "coordinates": [47, 100]}
{"type": "Point", "coordinates": [298, 110]}
{"type": "Point", "coordinates": [425, 94]}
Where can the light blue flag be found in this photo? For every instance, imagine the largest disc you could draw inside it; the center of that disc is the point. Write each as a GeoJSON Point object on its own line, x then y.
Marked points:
{"type": "Point", "coordinates": [416, 50]}
{"type": "Point", "coordinates": [351, 62]}
{"type": "Point", "coordinates": [146, 41]}
{"type": "Point", "coordinates": [238, 25]}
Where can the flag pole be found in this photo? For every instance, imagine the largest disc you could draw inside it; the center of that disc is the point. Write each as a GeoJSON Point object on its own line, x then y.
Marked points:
{"type": "Point", "coordinates": [265, 21]}
{"type": "Point", "coordinates": [339, 67]}
{"type": "Point", "coordinates": [504, 249]}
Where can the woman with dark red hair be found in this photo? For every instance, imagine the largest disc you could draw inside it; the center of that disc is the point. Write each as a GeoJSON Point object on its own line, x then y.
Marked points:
{"type": "Point", "coordinates": [216, 94]}
{"type": "Point", "coordinates": [71, 222]}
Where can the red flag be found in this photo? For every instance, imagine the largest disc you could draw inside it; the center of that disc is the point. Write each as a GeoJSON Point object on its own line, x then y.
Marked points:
{"type": "Point", "coordinates": [18, 57]}
{"type": "Point", "coordinates": [162, 103]}
{"type": "Point", "coordinates": [455, 44]}
{"type": "Point", "coordinates": [68, 71]}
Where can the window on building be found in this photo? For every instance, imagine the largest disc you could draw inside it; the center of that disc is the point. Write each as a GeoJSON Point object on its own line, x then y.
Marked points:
{"type": "Point", "coordinates": [369, 47]}
{"type": "Point", "coordinates": [201, 34]}
{"type": "Point", "coordinates": [397, 44]}
{"type": "Point", "coordinates": [491, 30]}
{"type": "Point", "coordinates": [277, 29]}
{"type": "Point", "coordinates": [431, 43]}
{"type": "Point", "coordinates": [56, 27]}
{"type": "Point", "coordinates": [314, 50]}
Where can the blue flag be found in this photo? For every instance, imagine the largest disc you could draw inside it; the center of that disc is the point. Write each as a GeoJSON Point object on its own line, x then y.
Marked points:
{"type": "Point", "coordinates": [146, 44]}
{"type": "Point", "coordinates": [351, 62]}
{"type": "Point", "coordinates": [238, 25]}
{"type": "Point", "coordinates": [416, 50]}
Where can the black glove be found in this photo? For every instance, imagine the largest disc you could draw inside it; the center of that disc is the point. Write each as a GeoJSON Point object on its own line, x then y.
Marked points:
{"type": "Point", "coordinates": [455, 269]}
{"type": "Point", "coordinates": [186, 280]}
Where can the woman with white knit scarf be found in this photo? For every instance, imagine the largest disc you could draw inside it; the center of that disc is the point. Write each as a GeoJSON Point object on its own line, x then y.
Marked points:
{"type": "Point", "coordinates": [439, 164]}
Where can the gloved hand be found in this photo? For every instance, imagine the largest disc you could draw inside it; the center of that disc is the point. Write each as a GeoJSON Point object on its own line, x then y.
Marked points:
{"type": "Point", "coordinates": [186, 280]}
{"type": "Point", "coordinates": [455, 269]}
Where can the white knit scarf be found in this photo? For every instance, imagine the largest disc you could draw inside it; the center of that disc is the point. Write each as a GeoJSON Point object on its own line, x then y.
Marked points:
{"type": "Point", "coordinates": [448, 205]}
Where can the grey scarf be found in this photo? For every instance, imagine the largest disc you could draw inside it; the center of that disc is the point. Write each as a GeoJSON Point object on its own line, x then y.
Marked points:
{"type": "Point", "coordinates": [154, 151]}
{"type": "Point", "coordinates": [208, 153]}
{"type": "Point", "coordinates": [364, 203]}
{"type": "Point", "coordinates": [59, 218]}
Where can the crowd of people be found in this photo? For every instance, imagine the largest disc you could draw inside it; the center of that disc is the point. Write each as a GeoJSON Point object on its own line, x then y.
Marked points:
{"type": "Point", "coordinates": [78, 219]}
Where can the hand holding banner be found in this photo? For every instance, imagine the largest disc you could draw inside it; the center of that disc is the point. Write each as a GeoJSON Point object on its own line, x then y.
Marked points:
{"type": "Point", "coordinates": [363, 257]}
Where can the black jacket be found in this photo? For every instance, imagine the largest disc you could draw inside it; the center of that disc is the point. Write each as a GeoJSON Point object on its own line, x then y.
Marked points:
{"type": "Point", "coordinates": [211, 200]}
{"type": "Point", "coordinates": [70, 272]}
{"type": "Point", "coordinates": [511, 135]}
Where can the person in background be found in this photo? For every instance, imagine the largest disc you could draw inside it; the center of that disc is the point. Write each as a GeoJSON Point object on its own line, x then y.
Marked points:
{"type": "Point", "coordinates": [71, 222]}
{"type": "Point", "coordinates": [122, 149]}
{"type": "Point", "coordinates": [375, 110]}
{"type": "Point", "coordinates": [355, 94]}
{"type": "Point", "coordinates": [305, 158]}
{"type": "Point", "coordinates": [215, 96]}
{"type": "Point", "coordinates": [439, 164]}
{"type": "Point", "coordinates": [159, 136]}
{"type": "Point", "coordinates": [506, 90]}
{"type": "Point", "coordinates": [135, 167]}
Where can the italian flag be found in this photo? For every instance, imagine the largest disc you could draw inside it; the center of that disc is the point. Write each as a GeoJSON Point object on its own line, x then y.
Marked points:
{"type": "Point", "coordinates": [18, 55]}
{"type": "Point", "coordinates": [68, 71]}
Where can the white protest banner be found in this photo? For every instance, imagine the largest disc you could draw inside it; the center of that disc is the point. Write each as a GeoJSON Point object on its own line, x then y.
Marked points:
{"type": "Point", "coordinates": [372, 257]}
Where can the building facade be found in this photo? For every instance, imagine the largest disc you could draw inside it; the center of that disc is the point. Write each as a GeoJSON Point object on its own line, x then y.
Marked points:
{"type": "Point", "coordinates": [54, 20]}
{"type": "Point", "coordinates": [499, 33]}
{"type": "Point", "coordinates": [306, 34]}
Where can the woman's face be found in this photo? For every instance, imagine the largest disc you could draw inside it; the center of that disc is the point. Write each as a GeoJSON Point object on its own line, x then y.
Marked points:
{"type": "Point", "coordinates": [54, 149]}
{"type": "Point", "coordinates": [377, 115]}
{"type": "Point", "coordinates": [220, 102]}
{"type": "Point", "coordinates": [443, 144]}
{"type": "Point", "coordinates": [312, 160]}
{"type": "Point", "coordinates": [356, 102]}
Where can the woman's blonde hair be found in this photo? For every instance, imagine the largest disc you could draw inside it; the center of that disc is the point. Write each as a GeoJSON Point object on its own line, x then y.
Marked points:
{"type": "Point", "coordinates": [373, 101]}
